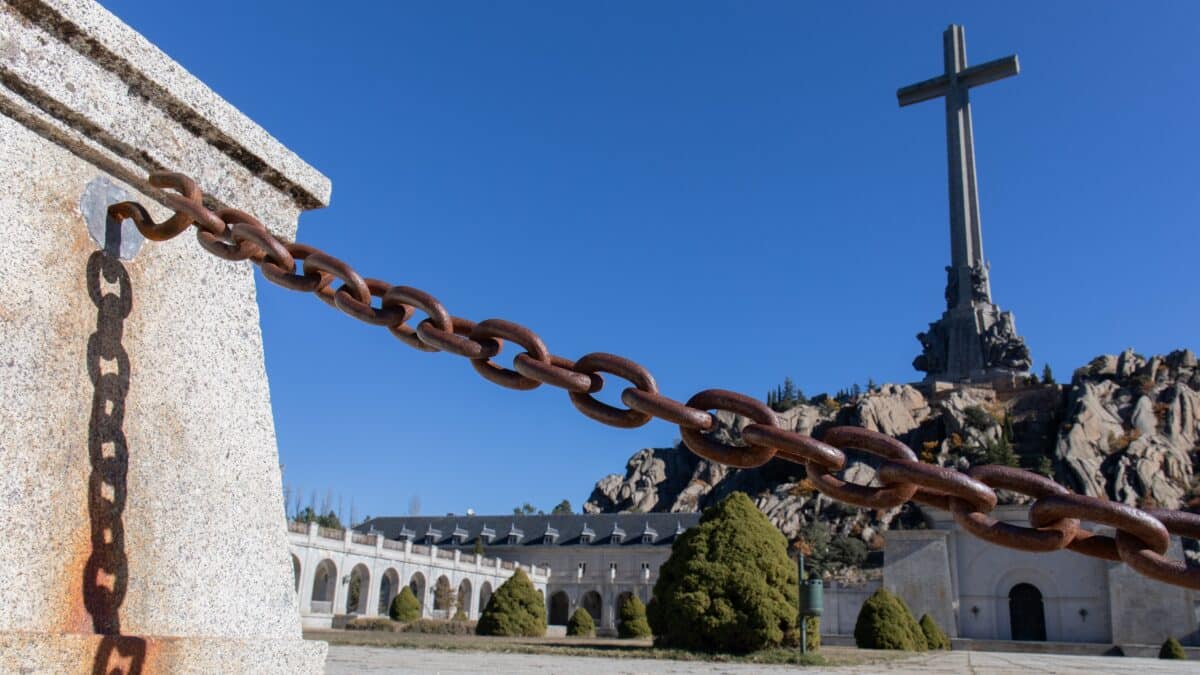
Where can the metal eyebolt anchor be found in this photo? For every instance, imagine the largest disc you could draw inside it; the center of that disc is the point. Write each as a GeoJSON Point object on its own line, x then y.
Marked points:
{"type": "Point", "coordinates": [120, 239]}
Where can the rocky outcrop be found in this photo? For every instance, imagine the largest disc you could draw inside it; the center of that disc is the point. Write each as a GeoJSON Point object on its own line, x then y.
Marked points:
{"type": "Point", "coordinates": [1126, 428]}
{"type": "Point", "coordinates": [1131, 427]}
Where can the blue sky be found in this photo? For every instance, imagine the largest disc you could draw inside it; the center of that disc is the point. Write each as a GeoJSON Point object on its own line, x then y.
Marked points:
{"type": "Point", "coordinates": [724, 192]}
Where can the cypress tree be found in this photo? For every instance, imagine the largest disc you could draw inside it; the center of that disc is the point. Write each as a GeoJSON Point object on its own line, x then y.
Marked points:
{"type": "Point", "coordinates": [514, 610]}
{"type": "Point", "coordinates": [728, 586]}
{"type": "Point", "coordinates": [633, 620]}
{"type": "Point", "coordinates": [404, 607]}
{"type": "Point", "coordinates": [580, 624]}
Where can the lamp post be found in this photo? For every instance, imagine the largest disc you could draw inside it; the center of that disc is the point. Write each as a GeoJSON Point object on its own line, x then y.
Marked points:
{"type": "Point", "coordinates": [812, 602]}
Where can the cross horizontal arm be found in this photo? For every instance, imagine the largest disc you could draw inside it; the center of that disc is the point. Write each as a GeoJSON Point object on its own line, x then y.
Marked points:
{"type": "Point", "coordinates": [922, 91]}
{"type": "Point", "coordinates": [989, 72]}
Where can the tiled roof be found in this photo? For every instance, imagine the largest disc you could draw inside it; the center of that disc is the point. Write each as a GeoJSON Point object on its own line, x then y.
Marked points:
{"type": "Point", "coordinates": [636, 528]}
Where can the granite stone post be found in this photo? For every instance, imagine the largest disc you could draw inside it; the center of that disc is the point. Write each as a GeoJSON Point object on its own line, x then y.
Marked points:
{"type": "Point", "coordinates": [143, 520]}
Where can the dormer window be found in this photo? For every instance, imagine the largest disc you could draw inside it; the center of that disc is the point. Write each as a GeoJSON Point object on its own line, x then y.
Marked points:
{"type": "Point", "coordinates": [649, 534]}
{"type": "Point", "coordinates": [550, 536]}
{"type": "Point", "coordinates": [487, 534]}
{"type": "Point", "coordinates": [586, 535]}
{"type": "Point", "coordinates": [460, 535]}
{"type": "Point", "coordinates": [432, 536]}
{"type": "Point", "coordinates": [515, 535]}
{"type": "Point", "coordinates": [679, 528]}
{"type": "Point", "coordinates": [406, 534]}
{"type": "Point", "coordinates": [618, 535]}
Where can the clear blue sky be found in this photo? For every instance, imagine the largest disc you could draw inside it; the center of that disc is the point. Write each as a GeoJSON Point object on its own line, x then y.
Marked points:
{"type": "Point", "coordinates": [725, 192]}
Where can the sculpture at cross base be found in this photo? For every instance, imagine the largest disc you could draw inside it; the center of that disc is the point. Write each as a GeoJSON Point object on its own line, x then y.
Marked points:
{"type": "Point", "coordinates": [973, 340]}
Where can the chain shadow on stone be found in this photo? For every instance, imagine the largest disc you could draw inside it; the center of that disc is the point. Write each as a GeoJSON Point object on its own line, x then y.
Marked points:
{"type": "Point", "coordinates": [106, 573]}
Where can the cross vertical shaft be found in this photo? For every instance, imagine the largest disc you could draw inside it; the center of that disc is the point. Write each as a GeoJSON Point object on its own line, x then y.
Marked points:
{"type": "Point", "coordinates": [967, 281]}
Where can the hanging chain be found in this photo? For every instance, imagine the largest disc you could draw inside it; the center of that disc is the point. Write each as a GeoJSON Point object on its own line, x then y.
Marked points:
{"type": "Point", "coordinates": [1141, 539]}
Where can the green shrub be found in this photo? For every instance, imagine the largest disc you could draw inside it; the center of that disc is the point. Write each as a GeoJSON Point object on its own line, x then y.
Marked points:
{"type": "Point", "coordinates": [884, 622]}
{"type": "Point", "coordinates": [404, 606]}
{"type": "Point", "coordinates": [373, 623]}
{"type": "Point", "coordinates": [728, 586]}
{"type": "Point", "coordinates": [438, 627]}
{"type": "Point", "coordinates": [581, 625]}
{"type": "Point", "coordinates": [978, 417]}
{"type": "Point", "coordinates": [633, 620]}
{"type": "Point", "coordinates": [813, 640]}
{"type": "Point", "coordinates": [514, 610]}
{"type": "Point", "coordinates": [935, 637]}
{"type": "Point", "coordinates": [1171, 649]}
{"type": "Point", "coordinates": [459, 615]}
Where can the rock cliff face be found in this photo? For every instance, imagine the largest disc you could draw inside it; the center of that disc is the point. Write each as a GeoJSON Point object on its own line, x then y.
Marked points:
{"type": "Point", "coordinates": [1126, 428]}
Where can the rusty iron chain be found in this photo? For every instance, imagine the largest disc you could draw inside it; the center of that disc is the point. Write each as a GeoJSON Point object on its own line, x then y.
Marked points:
{"type": "Point", "coordinates": [1141, 536]}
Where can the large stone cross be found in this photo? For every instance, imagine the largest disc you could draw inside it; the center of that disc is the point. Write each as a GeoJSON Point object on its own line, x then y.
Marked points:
{"type": "Point", "coordinates": [966, 238]}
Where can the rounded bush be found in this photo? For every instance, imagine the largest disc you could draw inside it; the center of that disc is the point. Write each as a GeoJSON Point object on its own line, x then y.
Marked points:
{"type": "Point", "coordinates": [935, 637]}
{"type": "Point", "coordinates": [633, 620]}
{"type": "Point", "coordinates": [404, 607]}
{"type": "Point", "coordinates": [581, 625]}
{"type": "Point", "coordinates": [459, 615]}
{"type": "Point", "coordinates": [884, 622]}
{"type": "Point", "coordinates": [1171, 649]}
{"type": "Point", "coordinates": [728, 586]}
{"type": "Point", "coordinates": [515, 609]}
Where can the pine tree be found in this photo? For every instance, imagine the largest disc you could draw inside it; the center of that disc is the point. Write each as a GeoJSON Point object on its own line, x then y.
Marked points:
{"type": "Point", "coordinates": [1047, 375]}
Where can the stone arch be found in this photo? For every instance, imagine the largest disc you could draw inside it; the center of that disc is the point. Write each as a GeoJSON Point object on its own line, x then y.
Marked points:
{"type": "Point", "coordinates": [389, 586]}
{"type": "Point", "coordinates": [1034, 577]}
{"type": "Point", "coordinates": [417, 585]}
{"type": "Point", "coordinates": [1027, 613]}
{"type": "Point", "coordinates": [324, 586]}
{"type": "Point", "coordinates": [485, 594]}
{"type": "Point", "coordinates": [463, 601]}
{"type": "Point", "coordinates": [593, 603]}
{"type": "Point", "coordinates": [296, 571]}
{"type": "Point", "coordinates": [442, 594]}
{"type": "Point", "coordinates": [358, 590]}
{"type": "Point", "coordinates": [621, 600]}
{"type": "Point", "coordinates": [560, 608]}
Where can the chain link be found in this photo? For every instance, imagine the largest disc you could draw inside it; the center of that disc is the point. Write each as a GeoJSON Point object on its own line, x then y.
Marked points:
{"type": "Point", "coordinates": [1141, 537]}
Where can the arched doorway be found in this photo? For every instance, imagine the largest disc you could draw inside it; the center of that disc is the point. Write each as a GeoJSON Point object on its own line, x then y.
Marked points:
{"type": "Point", "coordinates": [356, 595]}
{"type": "Point", "coordinates": [1026, 613]}
{"type": "Point", "coordinates": [417, 585]}
{"type": "Point", "coordinates": [443, 597]}
{"type": "Point", "coordinates": [560, 609]}
{"type": "Point", "coordinates": [592, 603]}
{"type": "Point", "coordinates": [463, 601]}
{"type": "Point", "coordinates": [296, 571]}
{"type": "Point", "coordinates": [389, 586]}
{"type": "Point", "coordinates": [324, 585]}
{"type": "Point", "coordinates": [485, 594]}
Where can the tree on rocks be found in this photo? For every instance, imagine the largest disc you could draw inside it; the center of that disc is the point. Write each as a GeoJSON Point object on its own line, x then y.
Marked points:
{"type": "Point", "coordinates": [935, 637]}
{"type": "Point", "coordinates": [404, 607]}
{"type": "Point", "coordinates": [1171, 649]}
{"type": "Point", "coordinates": [514, 610]}
{"type": "Point", "coordinates": [580, 624]}
{"type": "Point", "coordinates": [633, 620]}
{"type": "Point", "coordinates": [884, 622]}
{"type": "Point", "coordinates": [728, 586]}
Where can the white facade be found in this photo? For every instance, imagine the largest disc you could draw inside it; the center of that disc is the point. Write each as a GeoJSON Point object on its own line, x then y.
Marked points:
{"type": "Point", "coordinates": [325, 561]}
{"type": "Point", "coordinates": [974, 589]}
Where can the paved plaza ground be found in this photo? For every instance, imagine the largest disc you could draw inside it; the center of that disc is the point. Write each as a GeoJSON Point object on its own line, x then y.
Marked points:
{"type": "Point", "coordinates": [347, 660]}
